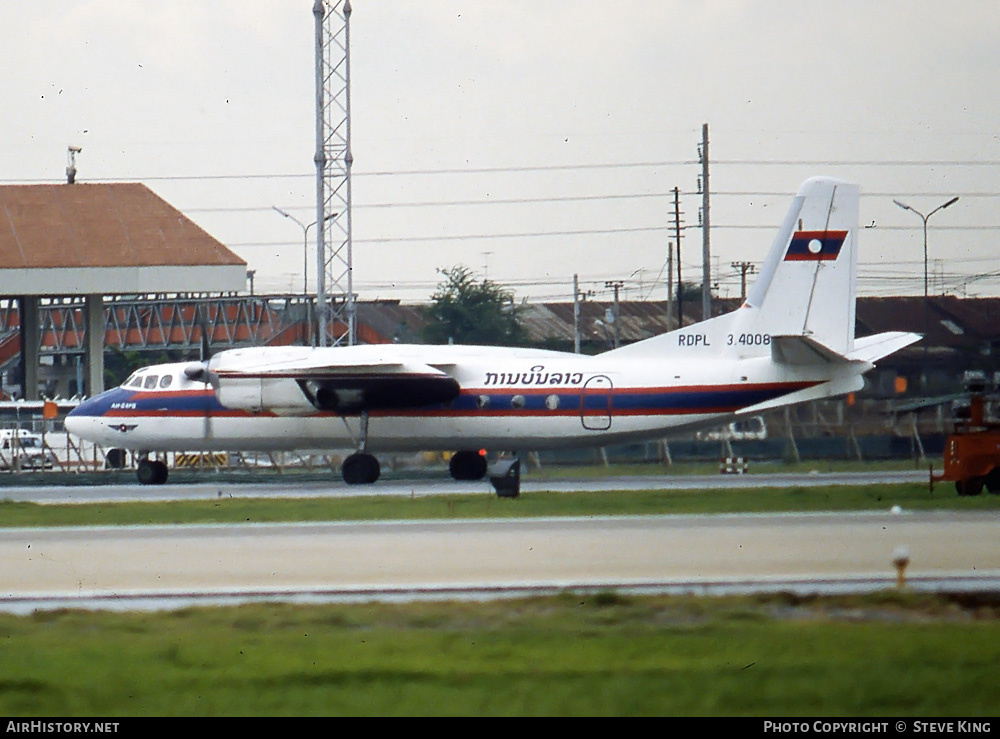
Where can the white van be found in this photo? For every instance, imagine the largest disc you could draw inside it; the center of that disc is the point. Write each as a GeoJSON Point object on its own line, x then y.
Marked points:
{"type": "Point", "coordinates": [24, 450]}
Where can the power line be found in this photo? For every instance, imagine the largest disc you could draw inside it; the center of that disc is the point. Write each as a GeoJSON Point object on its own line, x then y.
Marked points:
{"type": "Point", "coordinates": [159, 178]}
{"type": "Point", "coordinates": [569, 199]}
{"type": "Point", "coordinates": [581, 232]}
{"type": "Point", "coordinates": [859, 163]}
{"type": "Point", "coordinates": [555, 199]}
{"type": "Point", "coordinates": [382, 173]}
{"type": "Point", "coordinates": [545, 168]}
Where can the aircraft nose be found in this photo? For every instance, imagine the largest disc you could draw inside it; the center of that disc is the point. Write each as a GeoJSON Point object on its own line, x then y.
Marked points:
{"type": "Point", "coordinates": [72, 422]}
{"type": "Point", "coordinates": [75, 421]}
{"type": "Point", "coordinates": [84, 417]}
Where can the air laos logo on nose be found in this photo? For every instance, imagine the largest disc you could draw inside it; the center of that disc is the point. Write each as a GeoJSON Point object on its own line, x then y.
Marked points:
{"type": "Point", "coordinates": [815, 246]}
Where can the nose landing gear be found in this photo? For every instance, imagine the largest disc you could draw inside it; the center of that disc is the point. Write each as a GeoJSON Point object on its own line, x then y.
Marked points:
{"type": "Point", "coordinates": [151, 472]}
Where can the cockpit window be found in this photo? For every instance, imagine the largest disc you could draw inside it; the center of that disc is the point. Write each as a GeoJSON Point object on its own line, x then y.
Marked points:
{"type": "Point", "coordinates": [166, 380]}
{"type": "Point", "coordinates": [150, 382]}
{"type": "Point", "coordinates": [136, 381]}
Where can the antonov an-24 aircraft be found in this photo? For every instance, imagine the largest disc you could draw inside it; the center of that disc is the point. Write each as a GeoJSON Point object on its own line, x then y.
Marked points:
{"type": "Point", "coordinates": [791, 341]}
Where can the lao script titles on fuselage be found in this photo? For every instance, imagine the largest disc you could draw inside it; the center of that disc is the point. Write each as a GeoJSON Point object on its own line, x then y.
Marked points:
{"type": "Point", "coordinates": [537, 375]}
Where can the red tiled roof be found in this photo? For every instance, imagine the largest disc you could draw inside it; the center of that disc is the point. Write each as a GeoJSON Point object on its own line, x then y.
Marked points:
{"type": "Point", "coordinates": [100, 225]}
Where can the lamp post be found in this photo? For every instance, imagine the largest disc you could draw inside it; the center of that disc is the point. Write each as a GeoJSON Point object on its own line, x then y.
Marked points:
{"type": "Point", "coordinates": [305, 244]}
{"type": "Point", "coordinates": [925, 218]}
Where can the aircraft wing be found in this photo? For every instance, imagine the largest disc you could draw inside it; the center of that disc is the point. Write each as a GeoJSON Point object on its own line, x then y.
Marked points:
{"type": "Point", "coordinates": [342, 386]}
{"type": "Point", "coordinates": [305, 370]}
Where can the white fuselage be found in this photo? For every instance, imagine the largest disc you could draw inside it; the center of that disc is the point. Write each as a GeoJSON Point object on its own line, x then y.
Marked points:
{"type": "Point", "coordinates": [509, 400]}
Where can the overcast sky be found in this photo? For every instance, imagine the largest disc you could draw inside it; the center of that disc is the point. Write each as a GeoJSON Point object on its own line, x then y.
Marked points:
{"type": "Point", "coordinates": [585, 114]}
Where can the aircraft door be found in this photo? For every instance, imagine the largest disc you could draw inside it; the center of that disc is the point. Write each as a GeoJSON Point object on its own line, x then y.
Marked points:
{"type": "Point", "coordinates": [595, 403]}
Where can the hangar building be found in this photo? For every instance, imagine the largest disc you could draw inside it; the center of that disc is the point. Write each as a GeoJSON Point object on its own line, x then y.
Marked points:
{"type": "Point", "coordinates": [96, 240]}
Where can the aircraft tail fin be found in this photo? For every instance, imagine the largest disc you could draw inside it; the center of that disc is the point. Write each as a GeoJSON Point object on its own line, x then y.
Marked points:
{"type": "Point", "coordinates": [806, 286]}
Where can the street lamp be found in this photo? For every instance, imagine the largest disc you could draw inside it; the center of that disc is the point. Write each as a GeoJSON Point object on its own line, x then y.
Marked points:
{"type": "Point", "coordinates": [305, 244]}
{"type": "Point", "coordinates": [925, 218]}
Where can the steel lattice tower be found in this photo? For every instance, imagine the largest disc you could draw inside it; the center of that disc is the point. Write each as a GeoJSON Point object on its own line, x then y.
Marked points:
{"type": "Point", "coordinates": [335, 300]}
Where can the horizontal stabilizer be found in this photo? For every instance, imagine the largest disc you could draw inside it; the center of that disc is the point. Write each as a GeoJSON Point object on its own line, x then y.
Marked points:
{"type": "Point", "coordinates": [802, 350]}
{"type": "Point", "coordinates": [919, 404]}
{"type": "Point", "coordinates": [873, 348]}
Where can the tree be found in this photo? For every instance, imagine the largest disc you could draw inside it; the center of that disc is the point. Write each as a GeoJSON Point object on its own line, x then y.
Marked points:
{"type": "Point", "coordinates": [465, 311]}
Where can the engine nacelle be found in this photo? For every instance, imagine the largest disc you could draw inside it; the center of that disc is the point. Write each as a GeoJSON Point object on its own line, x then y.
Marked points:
{"type": "Point", "coordinates": [281, 396]}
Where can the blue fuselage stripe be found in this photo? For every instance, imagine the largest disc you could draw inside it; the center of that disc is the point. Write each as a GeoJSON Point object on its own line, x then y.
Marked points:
{"type": "Point", "coordinates": [124, 403]}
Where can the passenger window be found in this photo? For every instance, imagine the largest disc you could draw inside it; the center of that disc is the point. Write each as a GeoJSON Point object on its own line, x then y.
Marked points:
{"type": "Point", "coordinates": [166, 380]}
{"type": "Point", "coordinates": [150, 382]}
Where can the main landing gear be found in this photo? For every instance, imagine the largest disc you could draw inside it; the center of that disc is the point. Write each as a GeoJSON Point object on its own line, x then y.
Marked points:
{"type": "Point", "coordinates": [505, 473]}
{"type": "Point", "coordinates": [466, 465]}
{"type": "Point", "coordinates": [361, 468]}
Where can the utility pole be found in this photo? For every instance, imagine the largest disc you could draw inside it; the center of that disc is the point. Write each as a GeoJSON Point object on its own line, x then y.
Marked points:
{"type": "Point", "coordinates": [670, 282]}
{"type": "Point", "coordinates": [744, 268]}
{"type": "Point", "coordinates": [578, 297]}
{"type": "Point", "coordinates": [616, 285]}
{"type": "Point", "coordinates": [576, 313]}
{"type": "Point", "coordinates": [677, 236]}
{"type": "Point", "coordinates": [706, 266]}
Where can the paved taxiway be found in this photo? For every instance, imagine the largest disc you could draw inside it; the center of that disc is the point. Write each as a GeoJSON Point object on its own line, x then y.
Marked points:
{"type": "Point", "coordinates": [165, 566]}
{"type": "Point", "coordinates": [289, 486]}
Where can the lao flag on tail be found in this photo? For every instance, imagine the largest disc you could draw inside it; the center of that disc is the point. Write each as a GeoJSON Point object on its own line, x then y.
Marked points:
{"type": "Point", "coordinates": [815, 246]}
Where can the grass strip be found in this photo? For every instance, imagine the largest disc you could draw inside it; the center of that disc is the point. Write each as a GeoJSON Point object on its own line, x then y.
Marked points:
{"type": "Point", "coordinates": [881, 654]}
{"type": "Point", "coordinates": [909, 496]}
